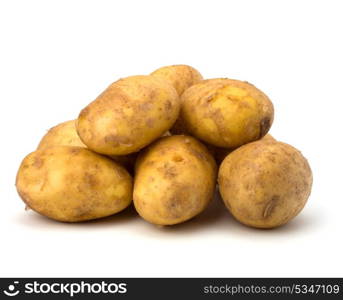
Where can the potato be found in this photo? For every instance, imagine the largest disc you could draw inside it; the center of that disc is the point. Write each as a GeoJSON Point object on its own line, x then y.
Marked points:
{"type": "Point", "coordinates": [174, 181]}
{"type": "Point", "coordinates": [265, 184]}
{"type": "Point", "coordinates": [225, 112]}
{"type": "Point", "coordinates": [73, 184]}
{"type": "Point", "coordinates": [129, 115]}
{"type": "Point", "coordinates": [220, 153]}
{"type": "Point", "coordinates": [180, 76]}
{"type": "Point", "coordinates": [65, 134]}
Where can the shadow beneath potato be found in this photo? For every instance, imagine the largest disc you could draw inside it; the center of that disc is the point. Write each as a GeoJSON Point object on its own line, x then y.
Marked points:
{"type": "Point", "coordinates": [33, 219]}
{"type": "Point", "coordinates": [300, 224]}
{"type": "Point", "coordinates": [214, 213]}
{"type": "Point", "coordinates": [215, 218]}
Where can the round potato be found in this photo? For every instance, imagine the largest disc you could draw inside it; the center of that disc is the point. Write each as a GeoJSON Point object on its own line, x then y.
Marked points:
{"type": "Point", "coordinates": [220, 153]}
{"type": "Point", "coordinates": [174, 181]}
{"type": "Point", "coordinates": [65, 134]}
{"type": "Point", "coordinates": [128, 115]}
{"type": "Point", "coordinates": [73, 184]}
{"type": "Point", "coordinates": [225, 112]}
{"type": "Point", "coordinates": [180, 76]}
{"type": "Point", "coordinates": [265, 184]}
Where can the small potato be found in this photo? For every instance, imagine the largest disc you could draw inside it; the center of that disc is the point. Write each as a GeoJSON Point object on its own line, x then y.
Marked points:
{"type": "Point", "coordinates": [220, 153]}
{"type": "Point", "coordinates": [180, 76]}
{"type": "Point", "coordinates": [265, 184]}
{"type": "Point", "coordinates": [73, 184]}
{"type": "Point", "coordinates": [129, 115]}
{"type": "Point", "coordinates": [225, 112]}
{"type": "Point", "coordinates": [65, 134]}
{"type": "Point", "coordinates": [174, 180]}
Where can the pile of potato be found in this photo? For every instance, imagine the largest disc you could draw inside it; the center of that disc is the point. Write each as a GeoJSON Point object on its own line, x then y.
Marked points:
{"type": "Point", "coordinates": [156, 140]}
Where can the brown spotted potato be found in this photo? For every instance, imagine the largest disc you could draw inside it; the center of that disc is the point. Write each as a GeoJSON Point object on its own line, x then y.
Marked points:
{"type": "Point", "coordinates": [65, 134]}
{"type": "Point", "coordinates": [174, 180]}
{"type": "Point", "coordinates": [265, 184]}
{"type": "Point", "coordinates": [180, 76]}
{"type": "Point", "coordinates": [130, 114]}
{"type": "Point", "coordinates": [73, 184]}
{"type": "Point", "coordinates": [225, 112]}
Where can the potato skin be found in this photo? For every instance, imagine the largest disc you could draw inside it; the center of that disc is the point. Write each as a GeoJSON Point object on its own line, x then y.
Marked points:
{"type": "Point", "coordinates": [65, 134]}
{"type": "Point", "coordinates": [73, 184]}
{"type": "Point", "coordinates": [220, 153]}
{"type": "Point", "coordinates": [180, 76]}
{"type": "Point", "coordinates": [225, 112]}
{"type": "Point", "coordinates": [174, 180]}
{"type": "Point", "coordinates": [130, 114]}
{"type": "Point", "coordinates": [265, 184]}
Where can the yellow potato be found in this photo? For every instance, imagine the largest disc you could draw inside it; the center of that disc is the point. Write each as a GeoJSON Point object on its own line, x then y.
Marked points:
{"type": "Point", "coordinates": [65, 134]}
{"type": "Point", "coordinates": [225, 112]}
{"type": "Point", "coordinates": [174, 181]}
{"type": "Point", "coordinates": [265, 184]}
{"type": "Point", "coordinates": [73, 184]}
{"type": "Point", "coordinates": [129, 115]}
{"type": "Point", "coordinates": [180, 76]}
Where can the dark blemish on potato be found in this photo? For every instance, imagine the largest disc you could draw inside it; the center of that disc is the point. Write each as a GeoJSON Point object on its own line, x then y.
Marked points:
{"type": "Point", "coordinates": [168, 106]}
{"type": "Point", "coordinates": [209, 98]}
{"type": "Point", "coordinates": [272, 159]}
{"type": "Point", "coordinates": [270, 206]}
{"type": "Point", "coordinates": [198, 154]}
{"type": "Point", "coordinates": [152, 93]}
{"type": "Point", "coordinates": [174, 206]}
{"type": "Point", "coordinates": [168, 171]}
{"type": "Point", "coordinates": [150, 162]}
{"type": "Point", "coordinates": [177, 158]}
{"type": "Point", "coordinates": [264, 126]}
{"type": "Point", "coordinates": [146, 106]}
{"type": "Point", "coordinates": [116, 140]}
{"type": "Point", "coordinates": [150, 123]}
{"type": "Point", "coordinates": [37, 162]}
{"type": "Point", "coordinates": [90, 180]}
{"type": "Point", "coordinates": [74, 150]}
{"type": "Point", "coordinates": [81, 212]}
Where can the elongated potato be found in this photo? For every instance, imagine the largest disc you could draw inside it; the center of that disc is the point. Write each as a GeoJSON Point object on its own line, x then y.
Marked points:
{"type": "Point", "coordinates": [65, 134]}
{"type": "Point", "coordinates": [225, 112]}
{"type": "Point", "coordinates": [180, 76]}
{"type": "Point", "coordinates": [73, 184]}
{"type": "Point", "coordinates": [174, 180]}
{"type": "Point", "coordinates": [128, 115]}
{"type": "Point", "coordinates": [265, 184]}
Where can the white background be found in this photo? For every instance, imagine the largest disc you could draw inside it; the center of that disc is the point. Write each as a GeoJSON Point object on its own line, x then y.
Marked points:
{"type": "Point", "coordinates": [56, 56]}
